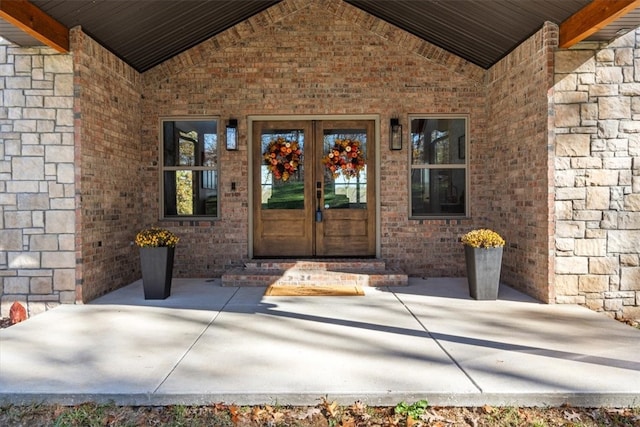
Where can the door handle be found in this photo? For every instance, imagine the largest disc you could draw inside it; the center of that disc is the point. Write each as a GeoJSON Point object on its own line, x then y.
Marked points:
{"type": "Point", "coordinates": [319, 199]}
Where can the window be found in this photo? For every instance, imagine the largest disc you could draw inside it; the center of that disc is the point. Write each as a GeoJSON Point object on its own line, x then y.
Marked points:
{"type": "Point", "coordinates": [438, 166]}
{"type": "Point", "coordinates": [189, 168]}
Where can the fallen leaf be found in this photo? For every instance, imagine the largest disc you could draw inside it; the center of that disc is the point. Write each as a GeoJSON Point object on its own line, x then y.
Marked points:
{"type": "Point", "coordinates": [235, 414]}
{"type": "Point", "coordinates": [572, 416]}
{"type": "Point", "coordinates": [358, 408]}
{"type": "Point", "coordinates": [309, 414]}
{"type": "Point", "coordinates": [257, 413]}
{"type": "Point", "coordinates": [278, 417]}
{"type": "Point", "coordinates": [393, 420]}
{"type": "Point", "coordinates": [487, 409]}
{"type": "Point", "coordinates": [348, 421]}
{"type": "Point", "coordinates": [219, 407]}
{"type": "Point", "coordinates": [430, 417]}
{"type": "Point", "coordinates": [331, 408]}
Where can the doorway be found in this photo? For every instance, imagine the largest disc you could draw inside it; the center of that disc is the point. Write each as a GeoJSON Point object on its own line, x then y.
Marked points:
{"type": "Point", "coordinates": [314, 188]}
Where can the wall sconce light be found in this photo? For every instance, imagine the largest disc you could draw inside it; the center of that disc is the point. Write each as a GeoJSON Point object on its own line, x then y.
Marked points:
{"type": "Point", "coordinates": [395, 135]}
{"type": "Point", "coordinates": [232, 135]}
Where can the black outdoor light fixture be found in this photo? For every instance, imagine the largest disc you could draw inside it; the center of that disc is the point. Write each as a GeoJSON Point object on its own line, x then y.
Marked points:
{"type": "Point", "coordinates": [232, 135]}
{"type": "Point", "coordinates": [395, 134]}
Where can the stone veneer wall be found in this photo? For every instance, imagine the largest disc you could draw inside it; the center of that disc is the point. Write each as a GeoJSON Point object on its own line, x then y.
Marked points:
{"type": "Point", "coordinates": [109, 159]}
{"type": "Point", "coordinates": [315, 58]}
{"type": "Point", "coordinates": [597, 122]}
{"type": "Point", "coordinates": [37, 178]}
{"type": "Point", "coordinates": [513, 166]}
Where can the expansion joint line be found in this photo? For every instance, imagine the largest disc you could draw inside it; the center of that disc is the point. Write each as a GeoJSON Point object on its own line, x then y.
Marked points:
{"type": "Point", "coordinates": [213, 319]}
{"type": "Point", "coordinates": [455, 362]}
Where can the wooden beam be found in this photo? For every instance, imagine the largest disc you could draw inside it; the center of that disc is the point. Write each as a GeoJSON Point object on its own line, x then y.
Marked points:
{"type": "Point", "coordinates": [593, 17]}
{"type": "Point", "coordinates": [36, 23]}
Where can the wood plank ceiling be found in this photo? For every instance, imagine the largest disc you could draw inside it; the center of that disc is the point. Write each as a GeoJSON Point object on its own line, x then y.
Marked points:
{"type": "Point", "coordinates": [145, 33]}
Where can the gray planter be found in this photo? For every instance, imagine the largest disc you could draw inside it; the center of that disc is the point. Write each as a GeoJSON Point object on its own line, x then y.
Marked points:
{"type": "Point", "coordinates": [157, 270]}
{"type": "Point", "coordinates": [483, 271]}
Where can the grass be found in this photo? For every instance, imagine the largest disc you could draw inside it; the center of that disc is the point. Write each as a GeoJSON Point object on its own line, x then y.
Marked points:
{"type": "Point", "coordinates": [325, 414]}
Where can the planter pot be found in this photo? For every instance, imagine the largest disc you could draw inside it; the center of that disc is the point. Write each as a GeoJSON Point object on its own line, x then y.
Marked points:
{"type": "Point", "coordinates": [483, 271]}
{"type": "Point", "coordinates": [157, 270]}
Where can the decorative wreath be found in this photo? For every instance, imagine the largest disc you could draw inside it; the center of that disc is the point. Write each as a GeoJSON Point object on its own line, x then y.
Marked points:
{"type": "Point", "coordinates": [283, 157]}
{"type": "Point", "coordinates": [344, 158]}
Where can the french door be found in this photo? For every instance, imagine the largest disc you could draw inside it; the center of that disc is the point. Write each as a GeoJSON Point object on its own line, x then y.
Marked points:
{"type": "Point", "coordinates": [314, 188]}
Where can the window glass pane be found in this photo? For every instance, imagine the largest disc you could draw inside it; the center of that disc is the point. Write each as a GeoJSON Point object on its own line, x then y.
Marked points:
{"type": "Point", "coordinates": [438, 192]}
{"type": "Point", "coordinates": [190, 143]}
{"type": "Point", "coordinates": [282, 170]}
{"type": "Point", "coordinates": [438, 141]}
{"type": "Point", "coordinates": [190, 192]}
{"type": "Point", "coordinates": [210, 152]}
{"type": "Point", "coordinates": [345, 168]}
{"type": "Point", "coordinates": [187, 148]}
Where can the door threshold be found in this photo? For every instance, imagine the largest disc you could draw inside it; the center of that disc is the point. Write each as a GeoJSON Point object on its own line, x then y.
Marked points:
{"type": "Point", "coordinates": [295, 258]}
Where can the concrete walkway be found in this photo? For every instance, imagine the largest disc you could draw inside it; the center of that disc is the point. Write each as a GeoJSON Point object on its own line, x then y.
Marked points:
{"type": "Point", "coordinates": [208, 343]}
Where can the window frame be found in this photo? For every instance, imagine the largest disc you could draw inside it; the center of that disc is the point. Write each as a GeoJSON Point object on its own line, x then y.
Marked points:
{"type": "Point", "coordinates": [448, 166]}
{"type": "Point", "coordinates": [192, 168]}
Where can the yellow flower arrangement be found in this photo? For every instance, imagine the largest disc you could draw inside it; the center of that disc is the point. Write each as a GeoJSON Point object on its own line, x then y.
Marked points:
{"type": "Point", "coordinates": [483, 238]}
{"type": "Point", "coordinates": [346, 158]}
{"type": "Point", "coordinates": [156, 237]}
{"type": "Point", "coordinates": [282, 157]}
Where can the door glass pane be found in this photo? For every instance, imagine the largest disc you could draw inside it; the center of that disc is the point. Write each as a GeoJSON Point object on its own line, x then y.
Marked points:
{"type": "Point", "coordinates": [345, 168]}
{"type": "Point", "coordinates": [282, 169]}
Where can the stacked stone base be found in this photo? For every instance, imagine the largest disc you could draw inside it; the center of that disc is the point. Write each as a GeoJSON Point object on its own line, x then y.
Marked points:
{"type": "Point", "coordinates": [597, 176]}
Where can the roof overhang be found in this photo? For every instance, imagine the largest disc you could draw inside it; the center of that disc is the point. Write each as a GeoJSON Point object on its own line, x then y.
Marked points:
{"type": "Point", "coordinates": [145, 33]}
{"type": "Point", "coordinates": [27, 18]}
{"type": "Point", "coordinates": [592, 18]}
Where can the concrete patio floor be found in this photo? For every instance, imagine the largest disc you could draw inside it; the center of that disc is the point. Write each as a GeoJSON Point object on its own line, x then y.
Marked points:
{"type": "Point", "coordinates": [428, 340]}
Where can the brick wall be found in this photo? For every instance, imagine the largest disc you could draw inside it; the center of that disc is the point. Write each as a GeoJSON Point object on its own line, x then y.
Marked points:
{"type": "Point", "coordinates": [597, 121]}
{"type": "Point", "coordinates": [110, 159]}
{"type": "Point", "coordinates": [512, 166]}
{"type": "Point", "coordinates": [320, 58]}
{"type": "Point", "coordinates": [37, 178]}
{"type": "Point", "coordinates": [315, 58]}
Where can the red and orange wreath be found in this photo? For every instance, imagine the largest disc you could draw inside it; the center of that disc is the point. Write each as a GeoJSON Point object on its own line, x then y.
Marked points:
{"type": "Point", "coordinates": [346, 158]}
{"type": "Point", "coordinates": [282, 157]}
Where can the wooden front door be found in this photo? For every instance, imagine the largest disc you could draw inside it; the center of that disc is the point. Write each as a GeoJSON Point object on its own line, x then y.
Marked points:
{"type": "Point", "coordinates": [314, 188]}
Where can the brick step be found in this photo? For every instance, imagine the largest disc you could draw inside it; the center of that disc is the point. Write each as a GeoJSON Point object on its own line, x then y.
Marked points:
{"type": "Point", "coordinates": [351, 265]}
{"type": "Point", "coordinates": [315, 272]}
